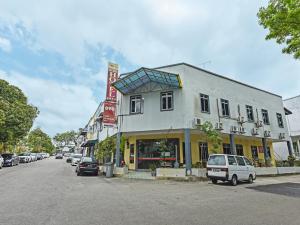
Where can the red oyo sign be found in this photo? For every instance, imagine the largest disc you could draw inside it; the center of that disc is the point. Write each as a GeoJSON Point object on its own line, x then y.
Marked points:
{"type": "Point", "coordinates": [109, 114]}
{"type": "Point", "coordinates": [112, 76]}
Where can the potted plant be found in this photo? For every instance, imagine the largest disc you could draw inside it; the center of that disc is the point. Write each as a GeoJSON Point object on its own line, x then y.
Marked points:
{"type": "Point", "coordinates": [153, 169]}
{"type": "Point", "coordinates": [291, 160]}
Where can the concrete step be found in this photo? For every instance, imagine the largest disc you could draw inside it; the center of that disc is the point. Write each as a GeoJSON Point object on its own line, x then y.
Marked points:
{"type": "Point", "coordinates": [139, 175]}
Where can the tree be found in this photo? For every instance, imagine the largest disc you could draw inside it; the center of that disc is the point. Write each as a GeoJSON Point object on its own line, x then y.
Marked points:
{"type": "Point", "coordinates": [38, 141]}
{"type": "Point", "coordinates": [282, 18]}
{"type": "Point", "coordinates": [105, 148]}
{"type": "Point", "coordinates": [16, 115]}
{"type": "Point", "coordinates": [212, 135]}
{"type": "Point", "coordinates": [66, 138]}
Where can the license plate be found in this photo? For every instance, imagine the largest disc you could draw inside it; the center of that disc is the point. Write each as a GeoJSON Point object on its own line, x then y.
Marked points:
{"type": "Point", "coordinates": [216, 170]}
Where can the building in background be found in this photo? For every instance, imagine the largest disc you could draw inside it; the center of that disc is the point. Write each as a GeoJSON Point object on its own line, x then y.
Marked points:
{"type": "Point", "coordinates": [293, 123]}
{"type": "Point", "coordinates": [169, 102]}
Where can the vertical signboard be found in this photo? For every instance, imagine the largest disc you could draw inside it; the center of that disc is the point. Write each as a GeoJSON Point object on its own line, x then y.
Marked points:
{"type": "Point", "coordinates": [109, 114]}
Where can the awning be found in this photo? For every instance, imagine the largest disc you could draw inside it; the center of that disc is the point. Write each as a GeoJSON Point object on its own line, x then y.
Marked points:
{"type": "Point", "coordinates": [89, 143]}
{"type": "Point", "coordinates": [143, 77]}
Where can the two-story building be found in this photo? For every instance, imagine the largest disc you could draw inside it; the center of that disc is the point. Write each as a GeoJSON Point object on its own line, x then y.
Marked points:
{"type": "Point", "coordinates": [170, 102]}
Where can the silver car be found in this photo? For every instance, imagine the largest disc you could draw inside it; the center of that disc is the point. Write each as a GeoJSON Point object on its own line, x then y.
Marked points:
{"type": "Point", "coordinates": [75, 159]}
{"type": "Point", "coordinates": [1, 162]}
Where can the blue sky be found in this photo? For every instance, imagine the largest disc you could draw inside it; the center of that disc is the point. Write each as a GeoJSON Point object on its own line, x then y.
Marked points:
{"type": "Point", "coordinates": [57, 51]}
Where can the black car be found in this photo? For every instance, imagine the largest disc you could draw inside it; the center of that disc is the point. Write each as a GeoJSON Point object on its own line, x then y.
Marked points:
{"type": "Point", "coordinates": [87, 165]}
{"type": "Point", "coordinates": [10, 159]}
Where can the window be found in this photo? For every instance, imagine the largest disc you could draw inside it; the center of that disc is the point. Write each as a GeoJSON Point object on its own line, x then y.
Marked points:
{"type": "Point", "coordinates": [226, 148]}
{"type": "Point", "coordinates": [269, 153]}
{"type": "Point", "coordinates": [131, 153]}
{"type": "Point", "coordinates": [203, 151]}
{"type": "Point", "coordinates": [136, 104]}
{"type": "Point", "coordinates": [279, 119]}
{"type": "Point", "coordinates": [265, 116]}
{"type": "Point", "coordinates": [240, 161]}
{"type": "Point", "coordinates": [166, 102]}
{"type": "Point", "coordinates": [239, 150]}
{"type": "Point", "coordinates": [225, 107]}
{"type": "Point", "coordinates": [217, 160]}
{"type": "Point", "coordinates": [231, 160]}
{"type": "Point", "coordinates": [254, 152]}
{"type": "Point", "coordinates": [250, 115]}
{"type": "Point", "coordinates": [248, 162]}
{"type": "Point", "coordinates": [204, 100]}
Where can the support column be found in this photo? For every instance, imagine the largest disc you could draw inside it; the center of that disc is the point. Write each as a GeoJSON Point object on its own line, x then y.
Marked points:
{"type": "Point", "coordinates": [264, 143]}
{"type": "Point", "coordinates": [289, 146]}
{"type": "Point", "coordinates": [232, 144]}
{"type": "Point", "coordinates": [118, 149]}
{"type": "Point", "coordinates": [188, 159]}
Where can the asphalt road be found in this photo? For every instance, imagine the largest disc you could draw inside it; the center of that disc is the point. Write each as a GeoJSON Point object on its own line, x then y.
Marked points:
{"type": "Point", "coordinates": [49, 193]}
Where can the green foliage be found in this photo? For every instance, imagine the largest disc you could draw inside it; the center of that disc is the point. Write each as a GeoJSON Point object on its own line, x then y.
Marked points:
{"type": "Point", "coordinates": [38, 141]}
{"type": "Point", "coordinates": [212, 135]}
{"type": "Point", "coordinates": [16, 115]}
{"type": "Point", "coordinates": [105, 148]}
{"type": "Point", "coordinates": [291, 160]}
{"type": "Point", "coordinates": [282, 18]}
{"type": "Point", "coordinates": [65, 138]}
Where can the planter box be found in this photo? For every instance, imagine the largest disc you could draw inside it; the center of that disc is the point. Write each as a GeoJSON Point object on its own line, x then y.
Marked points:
{"type": "Point", "coordinates": [120, 171]}
{"type": "Point", "coordinates": [263, 171]}
{"type": "Point", "coordinates": [199, 172]}
{"type": "Point", "coordinates": [170, 172]}
{"type": "Point", "coordinates": [286, 170]}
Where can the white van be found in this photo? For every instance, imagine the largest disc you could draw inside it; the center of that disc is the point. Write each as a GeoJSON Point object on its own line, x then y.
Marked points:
{"type": "Point", "coordinates": [231, 168]}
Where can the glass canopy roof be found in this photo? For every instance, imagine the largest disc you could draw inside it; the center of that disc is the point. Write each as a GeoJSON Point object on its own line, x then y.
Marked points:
{"type": "Point", "coordinates": [144, 76]}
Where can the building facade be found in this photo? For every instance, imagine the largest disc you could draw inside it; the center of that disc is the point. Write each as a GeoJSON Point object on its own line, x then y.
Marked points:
{"type": "Point", "coordinates": [160, 110]}
{"type": "Point", "coordinates": [293, 123]}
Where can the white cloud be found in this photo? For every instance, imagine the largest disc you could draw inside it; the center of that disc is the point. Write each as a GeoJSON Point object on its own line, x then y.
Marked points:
{"type": "Point", "coordinates": [5, 44]}
{"type": "Point", "coordinates": [62, 106]}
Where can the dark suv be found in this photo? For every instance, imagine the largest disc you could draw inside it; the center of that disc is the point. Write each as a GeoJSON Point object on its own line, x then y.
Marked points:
{"type": "Point", "coordinates": [10, 159]}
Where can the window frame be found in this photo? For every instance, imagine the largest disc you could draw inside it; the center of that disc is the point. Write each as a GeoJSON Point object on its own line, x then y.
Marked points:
{"type": "Point", "coordinates": [130, 104]}
{"type": "Point", "coordinates": [203, 146]}
{"type": "Point", "coordinates": [204, 97]}
{"type": "Point", "coordinates": [250, 108]}
{"type": "Point", "coordinates": [265, 112]}
{"type": "Point", "coordinates": [161, 101]}
{"type": "Point", "coordinates": [225, 101]}
{"type": "Point", "coordinates": [279, 117]}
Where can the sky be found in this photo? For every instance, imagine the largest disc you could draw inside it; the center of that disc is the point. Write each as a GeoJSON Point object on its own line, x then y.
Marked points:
{"type": "Point", "coordinates": [57, 51]}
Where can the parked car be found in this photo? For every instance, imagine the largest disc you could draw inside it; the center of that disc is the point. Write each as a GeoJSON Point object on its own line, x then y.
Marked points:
{"type": "Point", "coordinates": [87, 165]}
{"type": "Point", "coordinates": [33, 157]}
{"type": "Point", "coordinates": [1, 162]}
{"type": "Point", "coordinates": [39, 156]}
{"type": "Point", "coordinates": [69, 159]}
{"type": "Point", "coordinates": [75, 159]}
{"type": "Point", "coordinates": [233, 168]}
{"type": "Point", "coordinates": [59, 156]}
{"type": "Point", "coordinates": [10, 159]}
{"type": "Point", "coordinates": [24, 158]}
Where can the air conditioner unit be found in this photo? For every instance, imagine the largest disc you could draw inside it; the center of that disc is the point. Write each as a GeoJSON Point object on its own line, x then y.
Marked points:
{"type": "Point", "coordinates": [197, 121]}
{"type": "Point", "coordinates": [281, 135]}
{"type": "Point", "coordinates": [242, 130]}
{"type": "Point", "coordinates": [240, 119]}
{"type": "Point", "coordinates": [254, 131]}
{"type": "Point", "coordinates": [259, 123]}
{"type": "Point", "coordinates": [219, 126]}
{"type": "Point", "coordinates": [234, 129]}
{"type": "Point", "coordinates": [267, 133]}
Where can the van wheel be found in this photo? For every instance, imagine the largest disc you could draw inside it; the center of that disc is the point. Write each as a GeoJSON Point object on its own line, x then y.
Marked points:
{"type": "Point", "coordinates": [234, 180]}
{"type": "Point", "coordinates": [214, 181]}
{"type": "Point", "coordinates": [250, 179]}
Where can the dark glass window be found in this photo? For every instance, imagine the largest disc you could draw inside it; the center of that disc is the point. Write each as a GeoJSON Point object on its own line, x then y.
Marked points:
{"type": "Point", "coordinates": [248, 162]}
{"type": "Point", "coordinates": [136, 104]}
{"type": "Point", "coordinates": [203, 151]}
{"type": "Point", "coordinates": [231, 160]}
{"type": "Point", "coordinates": [166, 101]}
{"type": "Point", "coordinates": [131, 148]}
{"type": "Point", "coordinates": [240, 161]}
{"type": "Point", "coordinates": [204, 100]}
{"type": "Point", "coordinates": [265, 116]}
{"type": "Point", "coordinates": [226, 148]}
{"type": "Point", "coordinates": [254, 152]}
{"type": "Point", "coordinates": [225, 107]}
{"type": "Point", "coordinates": [239, 150]}
{"type": "Point", "coordinates": [269, 152]}
{"type": "Point", "coordinates": [279, 119]}
{"type": "Point", "coordinates": [250, 114]}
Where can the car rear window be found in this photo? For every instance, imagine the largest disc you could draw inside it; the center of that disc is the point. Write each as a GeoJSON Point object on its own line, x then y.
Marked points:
{"type": "Point", "coordinates": [216, 160]}
{"type": "Point", "coordinates": [88, 159]}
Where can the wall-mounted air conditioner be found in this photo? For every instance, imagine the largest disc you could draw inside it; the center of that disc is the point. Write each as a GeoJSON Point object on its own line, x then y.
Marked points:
{"type": "Point", "coordinates": [241, 119]}
{"type": "Point", "coordinates": [254, 131]}
{"type": "Point", "coordinates": [242, 130]}
{"type": "Point", "coordinates": [219, 126]}
{"type": "Point", "coordinates": [281, 136]}
{"type": "Point", "coordinates": [267, 133]}
{"type": "Point", "coordinates": [234, 129]}
{"type": "Point", "coordinates": [197, 122]}
{"type": "Point", "coordinates": [259, 123]}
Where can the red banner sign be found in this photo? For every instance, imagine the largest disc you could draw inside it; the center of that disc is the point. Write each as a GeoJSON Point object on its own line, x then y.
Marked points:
{"type": "Point", "coordinates": [112, 76]}
{"type": "Point", "coordinates": [260, 149]}
{"type": "Point", "coordinates": [109, 114]}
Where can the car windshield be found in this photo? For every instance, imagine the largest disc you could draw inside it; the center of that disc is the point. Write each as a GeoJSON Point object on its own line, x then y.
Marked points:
{"type": "Point", "coordinates": [22, 154]}
{"type": "Point", "coordinates": [216, 160]}
{"type": "Point", "coordinates": [7, 156]}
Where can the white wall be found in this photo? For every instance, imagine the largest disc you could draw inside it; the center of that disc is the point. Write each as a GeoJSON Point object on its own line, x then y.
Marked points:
{"type": "Point", "coordinates": [187, 104]}
{"type": "Point", "coordinates": [293, 104]}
